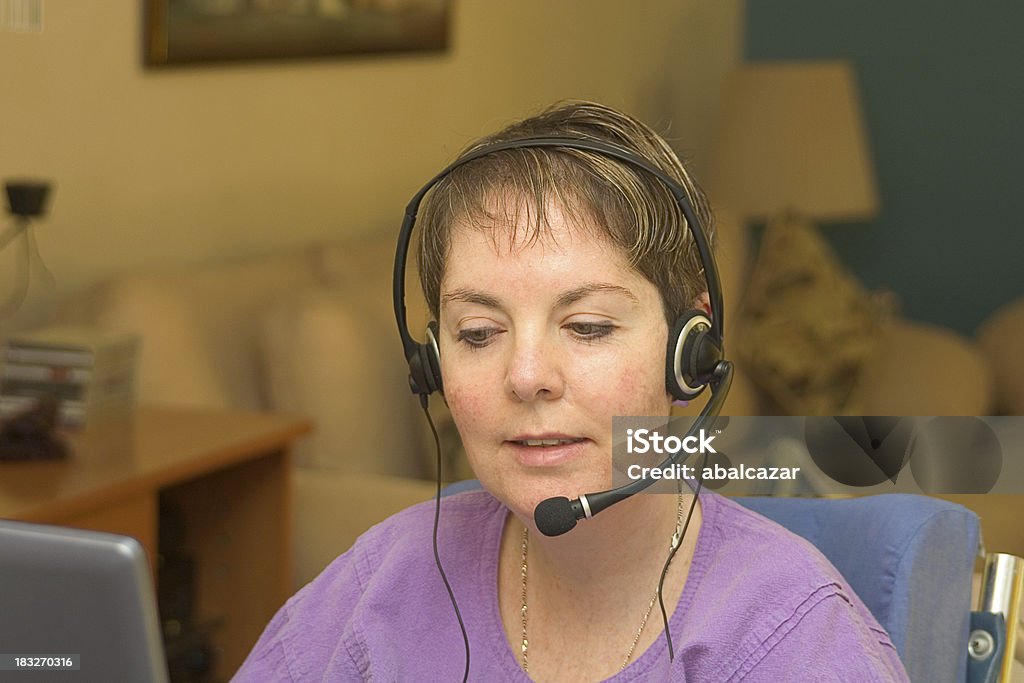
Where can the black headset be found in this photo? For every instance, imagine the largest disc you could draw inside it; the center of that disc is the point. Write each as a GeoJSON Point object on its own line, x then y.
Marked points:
{"type": "Point", "coordinates": [695, 342]}
{"type": "Point", "coordinates": [694, 358]}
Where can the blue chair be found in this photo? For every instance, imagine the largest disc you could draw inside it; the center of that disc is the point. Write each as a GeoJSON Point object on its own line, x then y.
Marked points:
{"type": "Point", "coordinates": [909, 558]}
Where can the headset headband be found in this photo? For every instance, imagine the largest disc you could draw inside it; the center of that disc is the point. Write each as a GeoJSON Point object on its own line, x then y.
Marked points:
{"type": "Point", "coordinates": [711, 276]}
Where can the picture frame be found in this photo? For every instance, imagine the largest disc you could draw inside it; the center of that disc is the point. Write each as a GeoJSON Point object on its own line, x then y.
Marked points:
{"type": "Point", "coordinates": [181, 32]}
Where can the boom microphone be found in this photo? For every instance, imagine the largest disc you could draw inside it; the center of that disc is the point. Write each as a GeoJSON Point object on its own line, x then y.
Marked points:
{"type": "Point", "coordinates": [555, 516]}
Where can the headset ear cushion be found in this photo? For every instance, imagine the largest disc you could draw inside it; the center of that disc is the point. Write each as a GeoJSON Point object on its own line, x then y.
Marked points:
{"type": "Point", "coordinates": [417, 377]}
{"type": "Point", "coordinates": [686, 342]}
{"type": "Point", "coordinates": [432, 358]}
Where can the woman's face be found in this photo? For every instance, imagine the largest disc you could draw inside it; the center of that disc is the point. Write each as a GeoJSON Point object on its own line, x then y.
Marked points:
{"type": "Point", "coordinates": [542, 344]}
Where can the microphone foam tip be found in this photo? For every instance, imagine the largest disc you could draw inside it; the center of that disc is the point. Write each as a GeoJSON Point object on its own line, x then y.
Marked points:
{"type": "Point", "coordinates": [554, 516]}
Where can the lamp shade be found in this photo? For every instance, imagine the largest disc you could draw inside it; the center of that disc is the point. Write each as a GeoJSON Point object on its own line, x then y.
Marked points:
{"type": "Point", "coordinates": [790, 137]}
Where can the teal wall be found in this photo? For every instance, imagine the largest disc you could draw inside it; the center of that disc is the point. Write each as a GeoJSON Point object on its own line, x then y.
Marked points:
{"type": "Point", "coordinates": [942, 86]}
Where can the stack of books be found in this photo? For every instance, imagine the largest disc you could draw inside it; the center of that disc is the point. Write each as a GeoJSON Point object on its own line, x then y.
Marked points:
{"type": "Point", "coordinates": [90, 373]}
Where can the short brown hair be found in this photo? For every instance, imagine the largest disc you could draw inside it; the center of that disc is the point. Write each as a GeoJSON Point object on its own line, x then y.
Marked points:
{"type": "Point", "coordinates": [625, 205]}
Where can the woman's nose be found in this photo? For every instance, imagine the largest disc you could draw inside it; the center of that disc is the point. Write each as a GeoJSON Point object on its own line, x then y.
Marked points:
{"type": "Point", "coordinates": [534, 370]}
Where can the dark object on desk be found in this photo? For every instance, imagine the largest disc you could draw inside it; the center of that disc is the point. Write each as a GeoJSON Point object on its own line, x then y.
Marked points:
{"type": "Point", "coordinates": [31, 435]}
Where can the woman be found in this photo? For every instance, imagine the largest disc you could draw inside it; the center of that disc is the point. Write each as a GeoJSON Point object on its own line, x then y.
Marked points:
{"type": "Point", "coordinates": [554, 276]}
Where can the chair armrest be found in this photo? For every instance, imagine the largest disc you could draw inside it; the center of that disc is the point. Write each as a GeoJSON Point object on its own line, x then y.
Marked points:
{"type": "Point", "coordinates": [1001, 593]}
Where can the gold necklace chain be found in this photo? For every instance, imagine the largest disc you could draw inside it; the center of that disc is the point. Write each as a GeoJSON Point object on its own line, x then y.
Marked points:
{"type": "Point", "coordinates": [525, 648]}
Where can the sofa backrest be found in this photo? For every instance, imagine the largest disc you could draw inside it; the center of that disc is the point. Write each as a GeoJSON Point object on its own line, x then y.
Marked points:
{"type": "Point", "coordinates": [199, 327]}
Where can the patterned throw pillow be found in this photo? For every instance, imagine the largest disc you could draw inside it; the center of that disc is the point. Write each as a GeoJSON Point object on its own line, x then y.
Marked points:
{"type": "Point", "coordinates": [806, 325]}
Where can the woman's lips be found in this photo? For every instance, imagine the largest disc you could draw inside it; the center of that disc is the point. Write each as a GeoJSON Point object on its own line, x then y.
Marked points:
{"type": "Point", "coordinates": [546, 451]}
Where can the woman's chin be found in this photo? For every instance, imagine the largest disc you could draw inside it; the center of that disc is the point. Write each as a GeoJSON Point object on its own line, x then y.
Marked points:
{"type": "Point", "coordinates": [524, 498]}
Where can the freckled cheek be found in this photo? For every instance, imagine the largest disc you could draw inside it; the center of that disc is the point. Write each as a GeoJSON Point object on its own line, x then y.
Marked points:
{"type": "Point", "coordinates": [469, 407]}
{"type": "Point", "coordinates": [629, 393]}
{"type": "Point", "coordinates": [635, 387]}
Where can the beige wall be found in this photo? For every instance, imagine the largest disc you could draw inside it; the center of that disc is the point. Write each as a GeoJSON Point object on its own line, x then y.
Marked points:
{"type": "Point", "coordinates": [205, 164]}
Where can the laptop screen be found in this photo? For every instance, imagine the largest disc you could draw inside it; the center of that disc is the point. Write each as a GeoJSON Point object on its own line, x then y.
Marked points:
{"type": "Point", "coordinates": [76, 601]}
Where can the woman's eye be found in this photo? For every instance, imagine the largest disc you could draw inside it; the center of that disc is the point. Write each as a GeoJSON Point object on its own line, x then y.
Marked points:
{"type": "Point", "coordinates": [476, 337]}
{"type": "Point", "coordinates": [590, 331]}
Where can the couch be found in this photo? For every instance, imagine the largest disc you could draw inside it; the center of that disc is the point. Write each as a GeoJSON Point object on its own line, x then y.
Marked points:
{"type": "Point", "coordinates": [311, 332]}
{"type": "Point", "coordinates": [1001, 338]}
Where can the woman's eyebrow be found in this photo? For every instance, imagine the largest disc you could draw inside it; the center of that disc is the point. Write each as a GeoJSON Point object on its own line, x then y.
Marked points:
{"type": "Point", "coordinates": [567, 298]}
{"type": "Point", "coordinates": [578, 293]}
{"type": "Point", "coordinates": [471, 296]}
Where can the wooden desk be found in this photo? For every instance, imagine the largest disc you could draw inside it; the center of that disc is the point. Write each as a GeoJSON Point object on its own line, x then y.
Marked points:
{"type": "Point", "coordinates": [229, 475]}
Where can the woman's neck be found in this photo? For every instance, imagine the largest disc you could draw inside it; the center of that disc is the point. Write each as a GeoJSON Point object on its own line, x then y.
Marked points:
{"type": "Point", "coordinates": [617, 546]}
{"type": "Point", "coordinates": [588, 589]}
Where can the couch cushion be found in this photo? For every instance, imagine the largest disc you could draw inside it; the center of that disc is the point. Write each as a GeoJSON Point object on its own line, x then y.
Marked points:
{"type": "Point", "coordinates": [328, 358]}
{"type": "Point", "coordinates": [175, 364]}
{"type": "Point", "coordinates": [1000, 340]}
{"type": "Point", "coordinates": [363, 270]}
{"type": "Point", "coordinates": [923, 369]}
{"type": "Point", "coordinates": [198, 326]}
{"type": "Point", "coordinates": [332, 509]}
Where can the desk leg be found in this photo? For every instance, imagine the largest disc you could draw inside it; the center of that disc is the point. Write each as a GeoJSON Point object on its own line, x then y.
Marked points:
{"type": "Point", "coordinates": [238, 528]}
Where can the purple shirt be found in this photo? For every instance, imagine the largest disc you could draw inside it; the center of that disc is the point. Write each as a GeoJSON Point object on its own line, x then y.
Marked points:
{"type": "Point", "coordinates": [760, 604]}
